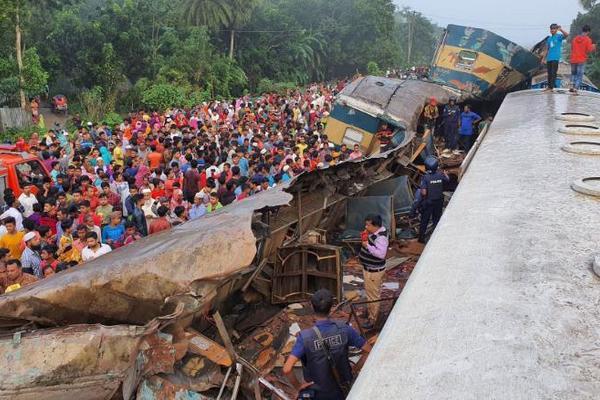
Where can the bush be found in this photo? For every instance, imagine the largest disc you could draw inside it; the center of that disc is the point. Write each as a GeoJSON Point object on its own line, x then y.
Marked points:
{"type": "Point", "coordinates": [268, 86]}
{"type": "Point", "coordinates": [92, 104]}
{"type": "Point", "coordinates": [373, 69]}
{"type": "Point", "coordinates": [12, 134]}
{"type": "Point", "coordinates": [162, 96]}
{"type": "Point", "coordinates": [112, 118]}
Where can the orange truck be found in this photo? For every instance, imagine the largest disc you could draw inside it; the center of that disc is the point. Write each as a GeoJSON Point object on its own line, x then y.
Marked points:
{"type": "Point", "coordinates": [18, 169]}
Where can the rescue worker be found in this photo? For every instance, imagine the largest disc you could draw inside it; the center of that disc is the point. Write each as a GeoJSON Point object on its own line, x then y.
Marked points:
{"type": "Point", "coordinates": [323, 350]}
{"type": "Point", "coordinates": [372, 255]}
{"type": "Point", "coordinates": [451, 122]}
{"type": "Point", "coordinates": [431, 114]}
{"type": "Point", "coordinates": [432, 193]}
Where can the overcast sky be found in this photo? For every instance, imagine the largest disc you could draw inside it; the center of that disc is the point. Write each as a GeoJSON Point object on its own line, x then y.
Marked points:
{"type": "Point", "coordinates": [523, 21]}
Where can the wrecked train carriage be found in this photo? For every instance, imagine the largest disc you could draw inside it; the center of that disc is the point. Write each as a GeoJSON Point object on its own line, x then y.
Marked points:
{"type": "Point", "coordinates": [481, 63]}
{"type": "Point", "coordinates": [367, 103]}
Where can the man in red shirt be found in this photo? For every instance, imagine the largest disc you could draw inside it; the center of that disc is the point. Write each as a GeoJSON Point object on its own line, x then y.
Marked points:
{"type": "Point", "coordinates": [154, 158]}
{"type": "Point", "coordinates": [161, 223]}
{"type": "Point", "coordinates": [580, 48]}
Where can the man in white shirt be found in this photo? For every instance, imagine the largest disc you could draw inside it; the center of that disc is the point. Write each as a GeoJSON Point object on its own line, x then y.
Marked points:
{"type": "Point", "coordinates": [94, 248]}
{"type": "Point", "coordinates": [27, 200]}
{"type": "Point", "coordinates": [13, 212]}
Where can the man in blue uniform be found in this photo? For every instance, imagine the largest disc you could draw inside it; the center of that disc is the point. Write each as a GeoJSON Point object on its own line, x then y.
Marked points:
{"type": "Point", "coordinates": [467, 119]}
{"type": "Point", "coordinates": [323, 350]}
{"type": "Point", "coordinates": [554, 50]}
{"type": "Point", "coordinates": [451, 122]}
{"type": "Point", "coordinates": [432, 193]}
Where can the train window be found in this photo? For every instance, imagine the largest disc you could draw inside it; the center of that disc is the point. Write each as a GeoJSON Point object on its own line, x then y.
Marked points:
{"type": "Point", "coordinates": [352, 137]}
{"type": "Point", "coordinates": [466, 59]}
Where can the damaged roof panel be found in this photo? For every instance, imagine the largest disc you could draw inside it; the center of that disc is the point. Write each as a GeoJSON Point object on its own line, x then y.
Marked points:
{"type": "Point", "coordinates": [131, 284]}
{"type": "Point", "coordinates": [402, 101]}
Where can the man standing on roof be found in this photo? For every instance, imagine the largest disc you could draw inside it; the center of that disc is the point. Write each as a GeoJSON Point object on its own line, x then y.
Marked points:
{"type": "Point", "coordinates": [553, 53]}
{"type": "Point", "coordinates": [372, 255]}
{"type": "Point", "coordinates": [580, 48]}
{"type": "Point", "coordinates": [432, 195]}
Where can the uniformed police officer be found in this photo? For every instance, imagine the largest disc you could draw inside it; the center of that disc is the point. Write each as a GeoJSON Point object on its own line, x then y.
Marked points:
{"type": "Point", "coordinates": [451, 122]}
{"type": "Point", "coordinates": [432, 194]}
{"type": "Point", "coordinates": [323, 350]}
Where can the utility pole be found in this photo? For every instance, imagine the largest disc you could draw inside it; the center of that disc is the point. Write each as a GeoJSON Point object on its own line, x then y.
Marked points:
{"type": "Point", "coordinates": [18, 49]}
{"type": "Point", "coordinates": [410, 36]}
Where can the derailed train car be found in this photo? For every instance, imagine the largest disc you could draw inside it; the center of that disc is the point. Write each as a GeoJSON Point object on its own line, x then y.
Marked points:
{"type": "Point", "coordinates": [480, 63]}
{"type": "Point", "coordinates": [370, 102]}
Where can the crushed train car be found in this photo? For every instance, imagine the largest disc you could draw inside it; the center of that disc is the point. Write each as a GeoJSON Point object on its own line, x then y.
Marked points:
{"type": "Point", "coordinates": [481, 63]}
{"type": "Point", "coordinates": [370, 102]}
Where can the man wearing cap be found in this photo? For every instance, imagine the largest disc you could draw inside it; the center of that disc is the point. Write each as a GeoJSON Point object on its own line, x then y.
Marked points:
{"type": "Point", "coordinates": [372, 255]}
{"type": "Point", "coordinates": [30, 259]}
{"type": "Point", "coordinates": [198, 209]}
{"type": "Point", "coordinates": [323, 351]}
{"type": "Point", "coordinates": [431, 114]}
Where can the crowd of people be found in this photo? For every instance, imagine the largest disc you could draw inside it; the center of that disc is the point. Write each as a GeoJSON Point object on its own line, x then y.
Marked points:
{"type": "Point", "coordinates": [109, 186]}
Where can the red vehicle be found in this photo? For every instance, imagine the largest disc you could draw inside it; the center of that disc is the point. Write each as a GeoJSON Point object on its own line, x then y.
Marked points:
{"type": "Point", "coordinates": [18, 169]}
{"type": "Point", "coordinates": [59, 104]}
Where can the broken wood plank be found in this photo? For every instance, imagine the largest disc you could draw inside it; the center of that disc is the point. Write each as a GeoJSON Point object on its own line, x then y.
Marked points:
{"type": "Point", "coordinates": [203, 346]}
{"type": "Point", "coordinates": [224, 335]}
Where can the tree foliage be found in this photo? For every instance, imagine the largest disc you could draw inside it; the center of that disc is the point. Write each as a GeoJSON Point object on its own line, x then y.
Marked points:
{"type": "Point", "coordinates": [156, 52]}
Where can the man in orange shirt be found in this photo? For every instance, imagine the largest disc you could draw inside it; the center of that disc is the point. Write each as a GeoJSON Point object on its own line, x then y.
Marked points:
{"type": "Point", "coordinates": [580, 48]}
{"type": "Point", "coordinates": [154, 158]}
{"type": "Point", "coordinates": [12, 239]}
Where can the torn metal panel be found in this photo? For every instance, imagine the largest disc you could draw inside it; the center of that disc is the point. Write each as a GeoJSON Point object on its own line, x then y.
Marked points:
{"type": "Point", "coordinates": [303, 269]}
{"type": "Point", "coordinates": [84, 362]}
{"type": "Point", "coordinates": [131, 284]}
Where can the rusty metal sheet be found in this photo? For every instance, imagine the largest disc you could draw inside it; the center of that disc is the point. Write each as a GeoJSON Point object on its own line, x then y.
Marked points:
{"type": "Point", "coordinates": [84, 362]}
{"type": "Point", "coordinates": [131, 284]}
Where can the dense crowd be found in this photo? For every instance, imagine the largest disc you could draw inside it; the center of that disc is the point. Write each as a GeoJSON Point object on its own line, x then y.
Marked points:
{"type": "Point", "coordinates": [111, 185]}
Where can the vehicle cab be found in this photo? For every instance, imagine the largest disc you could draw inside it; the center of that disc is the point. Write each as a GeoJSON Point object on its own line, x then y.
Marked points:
{"type": "Point", "coordinates": [18, 169]}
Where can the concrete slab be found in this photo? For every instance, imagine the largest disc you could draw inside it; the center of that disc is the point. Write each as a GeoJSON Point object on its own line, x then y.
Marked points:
{"type": "Point", "coordinates": [503, 303]}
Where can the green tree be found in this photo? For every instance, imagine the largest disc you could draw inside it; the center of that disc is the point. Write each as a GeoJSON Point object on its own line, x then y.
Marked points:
{"type": "Point", "coordinates": [588, 4]}
{"type": "Point", "coordinates": [229, 14]}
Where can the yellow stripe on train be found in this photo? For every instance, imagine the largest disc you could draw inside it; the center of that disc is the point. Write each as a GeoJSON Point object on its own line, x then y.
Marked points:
{"type": "Point", "coordinates": [478, 64]}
